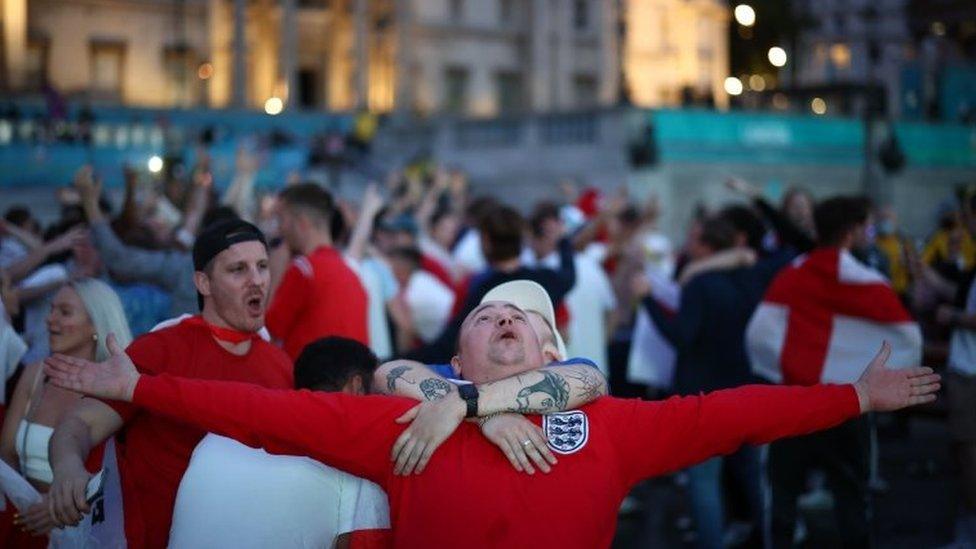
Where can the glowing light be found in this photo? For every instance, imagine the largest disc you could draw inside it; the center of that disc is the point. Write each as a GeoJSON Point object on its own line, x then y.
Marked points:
{"type": "Point", "coordinates": [745, 15]}
{"type": "Point", "coordinates": [155, 164]}
{"type": "Point", "coordinates": [818, 106]}
{"type": "Point", "coordinates": [205, 71]}
{"type": "Point", "coordinates": [757, 82]}
{"type": "Point", "coordinates": [777, 56]}
{"type": "Point", "coordinates": [733, 86]}
{"type": "Point", "coordinates": [274, 105]}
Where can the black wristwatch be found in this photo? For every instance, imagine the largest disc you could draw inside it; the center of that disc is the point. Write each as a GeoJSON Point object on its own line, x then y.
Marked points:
{"type": "Point", "coordinates": [469, 393]}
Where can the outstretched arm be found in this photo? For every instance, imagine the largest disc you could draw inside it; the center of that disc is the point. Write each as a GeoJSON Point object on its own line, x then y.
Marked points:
{"type": "Point", "coordinates": [351, 433]}
{"type": "Point", "coordinates": [659, 437]}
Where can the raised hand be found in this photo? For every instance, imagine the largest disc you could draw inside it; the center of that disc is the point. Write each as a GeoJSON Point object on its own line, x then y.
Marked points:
{"type": "Point", "coordinates": [114, 378]}
{"type": "Point", "coordinates": [520, 440]}
{"type": "Point", "coordinates": [433, 422]}
{"type": "Point", "coordinates": [883, 390]}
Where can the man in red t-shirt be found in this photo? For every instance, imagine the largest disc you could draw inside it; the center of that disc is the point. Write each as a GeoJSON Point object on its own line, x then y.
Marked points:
{"type": "Point", "coordinates": [319, 295]}
{"type": "Point", "coordinates": [469, 494]}
{"type": "Point", "coordinates": [232, 278]}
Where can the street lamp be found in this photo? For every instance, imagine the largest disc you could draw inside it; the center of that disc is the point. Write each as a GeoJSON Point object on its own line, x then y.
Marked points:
{"type": "Point", "coordinates": [745, 15]}
{"type": "Point", "coordinates": [155, 164]}
{"type": "Point", "coordinates": [777, 56]}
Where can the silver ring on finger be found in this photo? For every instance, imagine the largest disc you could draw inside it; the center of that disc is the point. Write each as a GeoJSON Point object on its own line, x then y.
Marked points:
{"type": "Point", "coordinates": [526, 442]}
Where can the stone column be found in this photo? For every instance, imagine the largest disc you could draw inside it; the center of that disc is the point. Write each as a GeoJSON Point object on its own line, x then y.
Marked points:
{"type": "Point", "coordinates": [403, 97]}
{"type": "Point", "coordinates": [361, 47]}
{"type": "Point", "coordinates": [540, 58]}
{"type": "Point", "coordinates": [15, 41]}
{"type": "Point", "coordinates": [609, 52]}
{"type": "Point", "coordinates": [288, 54]}
{"type": "Point", "coordinates": [239, 97]}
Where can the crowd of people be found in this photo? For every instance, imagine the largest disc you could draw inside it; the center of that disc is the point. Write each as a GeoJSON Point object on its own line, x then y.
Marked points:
{"type": "Point", "coordinates": [191, 315]}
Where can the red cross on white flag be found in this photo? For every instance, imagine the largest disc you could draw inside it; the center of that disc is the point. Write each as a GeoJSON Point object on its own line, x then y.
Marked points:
{"type": "Point", "coordinates": [824, 318]}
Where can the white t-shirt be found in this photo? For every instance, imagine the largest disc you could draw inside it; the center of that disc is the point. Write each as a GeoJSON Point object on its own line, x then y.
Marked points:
{"type": "Point", "coordinates": [467, 252]}
{"type": "Point", "coordinates": [962, 346]}
{"type": "Point", "coordinates": [588, 303]}
{"type": "Point", "coordinates": [233, 495]}
{"type": "Point", "coordinates": [381, 286]}
{"type": "Point", "coordinates": [430, 302]}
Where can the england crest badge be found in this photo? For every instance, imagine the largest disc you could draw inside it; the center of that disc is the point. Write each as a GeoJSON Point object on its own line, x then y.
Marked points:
{"type": "Point", "coordinates": [567, 431]}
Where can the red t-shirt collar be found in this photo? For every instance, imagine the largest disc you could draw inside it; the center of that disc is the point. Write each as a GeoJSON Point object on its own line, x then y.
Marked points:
{"type": "Point", "coordinates": [227, 335]}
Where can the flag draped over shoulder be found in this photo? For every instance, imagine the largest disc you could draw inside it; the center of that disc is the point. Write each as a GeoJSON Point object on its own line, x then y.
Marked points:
{"type": "Point", "coordinates": [824, 318]}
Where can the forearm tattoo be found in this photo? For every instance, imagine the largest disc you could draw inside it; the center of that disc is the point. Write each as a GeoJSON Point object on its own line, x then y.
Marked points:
{"type": "Point", "coordinates": [591, 386]}
{"type": "Point", "coordinates": [394, 375]}
{"type": "Point", "coordinates": [434, 388]}
{"type": "Point", "coordinates": [555, 395]}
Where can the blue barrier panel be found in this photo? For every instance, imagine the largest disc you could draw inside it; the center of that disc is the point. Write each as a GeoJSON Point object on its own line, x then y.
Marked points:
{"type": "Point", "coordinates": [710, 136]}
{"type": "Point", "coordinates": [937, 145]}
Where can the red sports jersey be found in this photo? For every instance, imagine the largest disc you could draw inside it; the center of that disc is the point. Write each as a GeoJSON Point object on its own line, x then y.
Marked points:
{"type": "Point", "coordinates": [154, 451]}
{"type": "Point", "coordinates": [470, 495]}
{"type": "Point", "coordinates": [319, 296]}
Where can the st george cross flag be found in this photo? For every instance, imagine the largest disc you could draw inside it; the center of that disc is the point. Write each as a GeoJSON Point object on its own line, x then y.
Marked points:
{"type": "Point", "coordinates": [824, 318]}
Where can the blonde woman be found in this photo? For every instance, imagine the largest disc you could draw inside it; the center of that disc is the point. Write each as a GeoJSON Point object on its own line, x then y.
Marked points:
{"type": "Point", "coordinates": [83, 313]}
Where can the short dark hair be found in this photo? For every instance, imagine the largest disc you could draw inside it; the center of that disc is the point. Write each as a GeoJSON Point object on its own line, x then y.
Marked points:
{"type": "Point", "coordinates": [410, 254]}
{"type": "Point", "coordinates": [501, 230]}
{"type": "Point", "coordinates": [835, 217]}
{"type": "Point", "coordinates": [718, 233]}
{"type": "Point", "coordinates": [745, 221]}
{"type": "Point", "coordinates": [18, 215]}
{"type": "Point", "coordinates": [312, 199]}
{"type": "Point", "coordinates": [327, 364]}
{"type": "Point", "coordinates": [542, 212]}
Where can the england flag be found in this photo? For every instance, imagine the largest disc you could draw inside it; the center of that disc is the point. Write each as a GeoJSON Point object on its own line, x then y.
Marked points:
{"type": "Point", "coordinates": [824, 318]}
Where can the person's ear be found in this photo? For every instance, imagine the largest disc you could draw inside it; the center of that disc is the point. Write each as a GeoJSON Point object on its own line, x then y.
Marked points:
{"type": "Point", "coordinates": [354, 386]}
{"type": "Point", "coordinates": [456, 365]}
{"type": "Point", "coordinates": [202, 282]}
{"type": "Point", "coordinates": [550, 353]}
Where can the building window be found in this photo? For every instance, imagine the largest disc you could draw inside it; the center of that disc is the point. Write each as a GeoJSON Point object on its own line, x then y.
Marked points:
{"type": "Point", "coordinates": [455, 89]}
{"type": "Point", "coordinates": [511, 92]}
{"type": "Point", "coordinates": [35, 63]}
{"type": "Point", "coordinates": [456, 10]}
{"type": "Point", "coordinates": [506, 11]}
{"type": "Point", "coordinates": [585, 90]}
{"type": "Point", "coordinates": [107, 68]}
{"type": "Point", "coordinates": [581, 14]}
{"type": "Point", "coordinates": [180, 63]}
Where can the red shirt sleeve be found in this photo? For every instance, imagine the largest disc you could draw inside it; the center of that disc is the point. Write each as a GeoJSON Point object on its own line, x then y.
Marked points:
{"type": "Point", "coordinates": [150, 353]}
{"type": "Point", "coordinates": [288, 299]}
{"type": "Point", "coordinates": [352, 433]}
{"type": "Point", "coordinates": [655, 438]}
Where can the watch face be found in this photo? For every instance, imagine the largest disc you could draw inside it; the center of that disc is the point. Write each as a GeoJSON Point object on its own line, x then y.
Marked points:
{"type": "Point", "coordinates": [468, 391]}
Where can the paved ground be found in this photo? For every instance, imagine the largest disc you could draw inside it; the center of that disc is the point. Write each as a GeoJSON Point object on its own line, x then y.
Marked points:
{"type": "Point", "coordinates": [916, 510]}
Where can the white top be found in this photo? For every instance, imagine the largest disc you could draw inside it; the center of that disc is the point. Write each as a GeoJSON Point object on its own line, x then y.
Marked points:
{"type": "Point", "coordinates": [962, 346]}
{"type": "Point", "coordinates": [588, 303]}
{"type": "Point", "coordinates": [381, 286]}
{"type": "Point", "coordinates": [430, 302]}
{"type": "Point", "coordinates": [31, 442]}
{"type": "Point", "coordinates": [233, 495]}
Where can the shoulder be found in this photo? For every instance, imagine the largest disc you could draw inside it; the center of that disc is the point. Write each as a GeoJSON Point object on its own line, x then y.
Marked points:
{"type": "Point", "coordinates": [303, 266]}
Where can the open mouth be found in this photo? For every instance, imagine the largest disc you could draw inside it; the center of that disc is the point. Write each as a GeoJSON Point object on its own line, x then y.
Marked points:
{"type": "Point", "coordinates": [507, 335]}
{"type": "Point", "coordinates": [255, 304]}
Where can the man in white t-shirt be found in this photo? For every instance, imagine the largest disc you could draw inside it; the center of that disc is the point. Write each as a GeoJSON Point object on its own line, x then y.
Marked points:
{"type": "Point", "coordinates": [236, 496]}
{"type": "Point", "coordinates": [591, 300]}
